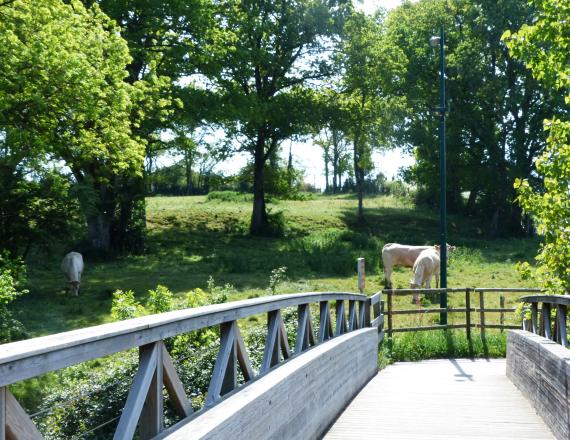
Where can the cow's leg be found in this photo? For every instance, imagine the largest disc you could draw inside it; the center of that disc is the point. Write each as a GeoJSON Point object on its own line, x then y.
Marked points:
{"type": "Point", "coordinates": [388, 276]}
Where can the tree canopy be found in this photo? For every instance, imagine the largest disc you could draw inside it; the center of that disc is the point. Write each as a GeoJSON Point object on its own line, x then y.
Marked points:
{"type": "Point", "coordinates": [543, 46]}
{"type": "Point", "coordinates": [63, 97]}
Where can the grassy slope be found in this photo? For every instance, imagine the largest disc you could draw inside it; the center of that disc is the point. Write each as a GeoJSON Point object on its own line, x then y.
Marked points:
{"type": "Point", "coordinates": [191, 239]}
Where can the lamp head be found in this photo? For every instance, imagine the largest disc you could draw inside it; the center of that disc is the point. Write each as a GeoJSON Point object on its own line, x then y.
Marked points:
{"type": "Point", "coordinates": [434, 41]}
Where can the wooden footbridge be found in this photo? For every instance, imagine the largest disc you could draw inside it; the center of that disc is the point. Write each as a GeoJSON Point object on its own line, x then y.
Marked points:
{"type": "Point", "coordinates": [325, 384]}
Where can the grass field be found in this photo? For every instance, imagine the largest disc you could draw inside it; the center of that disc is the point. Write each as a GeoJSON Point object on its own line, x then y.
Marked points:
{"type": "Point", "coordinates": [191, 238]}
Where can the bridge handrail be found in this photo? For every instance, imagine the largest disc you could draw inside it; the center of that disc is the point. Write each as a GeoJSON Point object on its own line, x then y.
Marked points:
{"type": "Point", "coordinates": [544, 327]}
{"type": "Point", "coordinates": [149, 329]}
{"type": "Point", "coordinates": [30, 358]}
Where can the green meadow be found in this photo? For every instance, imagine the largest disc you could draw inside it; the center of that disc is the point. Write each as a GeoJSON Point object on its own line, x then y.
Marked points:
{"type": "Point", "coordinates": [193, 238]}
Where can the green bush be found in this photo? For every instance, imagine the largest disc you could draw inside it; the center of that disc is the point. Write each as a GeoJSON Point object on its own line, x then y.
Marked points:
{"type": "Point", "coordinates": [12, 279]}
{"type": "Point", "coordinates": [229, 196]}
{"type": "Point", "coordinates": [90, 394]}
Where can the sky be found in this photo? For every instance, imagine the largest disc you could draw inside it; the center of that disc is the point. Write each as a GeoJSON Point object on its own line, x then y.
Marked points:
{"type": "Point", "coordinates": [309, 157]}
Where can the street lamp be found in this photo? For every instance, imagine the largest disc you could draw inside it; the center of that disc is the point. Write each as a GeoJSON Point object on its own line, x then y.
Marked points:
{"type": "Point", "coordinates": [434, 42]}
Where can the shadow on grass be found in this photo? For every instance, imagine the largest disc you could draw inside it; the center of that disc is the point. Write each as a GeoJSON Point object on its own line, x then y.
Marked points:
{"type": "Point", "coordinates": [421, 227]}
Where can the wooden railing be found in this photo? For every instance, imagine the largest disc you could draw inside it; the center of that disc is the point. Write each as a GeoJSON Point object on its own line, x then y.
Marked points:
{"type": "Point", "coordinates": [156, 370]}
{"type": "Point", "coordinates": [467, 310]}
{"type": "Point", "coordinates": [544, 327]}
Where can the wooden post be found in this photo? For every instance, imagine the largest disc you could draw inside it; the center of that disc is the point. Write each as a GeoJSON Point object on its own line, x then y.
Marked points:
{"type": "Point", "coordinates": [389, 314]}
{"type": "Point", "coordinates": [561, 319]}
{"type": "Point", "coordinates": [152, 414]}
{"type": "Point", "coordinates": [546, 320]}
{"type": "Point", "coordinates": [534, 318]}
{"type": "Point", "coordinates": [3, 413]}
{"type": "Point", "coordinates": [482, 313]}
{"type": "Point", "coordinates": [502, 314]}
{"type": "Point", "coordinates": [468, 313]}
{"type": "Point", "coordinates": [360, 267]}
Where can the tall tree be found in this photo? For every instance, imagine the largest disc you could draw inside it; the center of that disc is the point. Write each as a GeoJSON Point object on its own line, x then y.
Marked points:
{"type": "Point", "coordinates": [63, 96]}
{"type": "Point", "coordinates": [544, 47]}
{"type": "Point", "coordinates": [160, 35]}
{"type": "Point", "coordinates": [260, 58]}
{"type": "Point", "coordinates": [496, 106]}
{"type": "Point", "coordinates": [371, 67]}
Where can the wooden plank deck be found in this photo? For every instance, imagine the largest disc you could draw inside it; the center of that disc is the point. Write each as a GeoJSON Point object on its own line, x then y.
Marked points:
{"type": "Point", "coordinates": [440, 399]}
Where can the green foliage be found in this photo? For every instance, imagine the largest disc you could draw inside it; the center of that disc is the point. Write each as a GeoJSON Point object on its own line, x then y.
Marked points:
{"type": "Point", "coordinates": [124, 305]}
{"type": "Point", "coordinates": [262, 71]}
{"type": "Point", "coordinates": [229, 196]}
{"type": "Point", "coordinates": [35, 213]}
{"type": "Point", "coordinates": [12, 279]}
{"type": "Point", "coordinates": [544, 47]}
{"type": "Point", "coordinates": [496, 107]}
{"type": "Point", "coordinates": [159, 300]}
{"type": "Point", "coordinates": [372, 66]}
{"type": "Point", "coordinates": [218, 294]}
{"type": "Point", "coordinates": [278, 275]}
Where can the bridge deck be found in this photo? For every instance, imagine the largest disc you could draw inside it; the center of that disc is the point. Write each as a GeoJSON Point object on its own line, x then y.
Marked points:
{"type": "Point", "coordinates": [441, 399]}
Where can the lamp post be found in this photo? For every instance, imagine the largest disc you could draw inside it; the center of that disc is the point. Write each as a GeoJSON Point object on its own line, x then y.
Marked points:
{"type": "Point", "coordinates": [434, 42]}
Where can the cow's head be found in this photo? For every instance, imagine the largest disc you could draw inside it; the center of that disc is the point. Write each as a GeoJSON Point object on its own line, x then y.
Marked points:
{"type": "Point", "coordinates": [74, 288]}
{"type": "Point", "coordinates": [450, 248]}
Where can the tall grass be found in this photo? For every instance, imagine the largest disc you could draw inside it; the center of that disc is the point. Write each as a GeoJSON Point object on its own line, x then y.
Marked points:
{"type": "Point", "coordinates": [437, 344]}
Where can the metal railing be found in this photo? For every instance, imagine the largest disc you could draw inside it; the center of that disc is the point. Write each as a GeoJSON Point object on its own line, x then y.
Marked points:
{"type": "Point", "coordinates": [556, 305]}
{"type": "Point", "coordinates": [144, 407]}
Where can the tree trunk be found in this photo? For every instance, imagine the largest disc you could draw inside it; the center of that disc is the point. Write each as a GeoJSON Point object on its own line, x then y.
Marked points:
{"type": "Point", "coordinates": [259, 220]}
{"type": "Point", "coordinates": [359, 177]}
{"type": "Point", "coordinates": [99, 232]}
{"type": "Point", "coordinates": [335, 161]}
{"type": "Point", "coordinates": [326, 176]}
{"type": "Point", "coordinates": [188, 174]}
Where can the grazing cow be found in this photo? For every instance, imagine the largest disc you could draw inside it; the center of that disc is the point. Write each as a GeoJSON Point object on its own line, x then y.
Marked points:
{"type": "Point", "coordinates": [72, 267]}
{"type": "Point", "coordinates": [394, 254]}
{"type": "Point", "coordinates": [427, 265]}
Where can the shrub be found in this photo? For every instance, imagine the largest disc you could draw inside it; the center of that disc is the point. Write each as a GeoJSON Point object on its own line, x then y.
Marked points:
{"type": "Point", "coordinates": [229, 196]}
{"type": "Point", "coordinates": [124, 306]}
{"type": "Point", "coordinates": [277, 277]}
{"type": "Point", "coordinates": [12, 279]}
{"type": "Point", "coordinates": [159, 300]}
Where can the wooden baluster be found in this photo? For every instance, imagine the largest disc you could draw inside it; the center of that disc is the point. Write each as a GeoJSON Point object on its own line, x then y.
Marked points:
{"type": "Point", "coordinates": [16, 424]}
{"type": "Point", "coordinates": [302, 340]}
{"type": "Point", "coordinates": [173, 384]}
{"type": "Point", "coordinates": [546, 322]}
{"type": "Point", "coordinates": [561, 311]}
{"type": "Point", "coordinates": [2, 413]}
{"type": "Point", "coordinates": [340, 327]}
{"type": "Point", "coordinates": [324, 322]}
{"type": "Point", "coordinates": [352, 319]}
{"type": "Point", "coordinates": [390, 314]}
{"type": "Point", "coordinates": [534, 318]}
{"type": "Point", "coordinates": [468, 313]}
{"type": "Point", "coordinates": [152, 414]}
{"type": "Point", "coordinates": [148, 361]}
{"type": "Point", "coordinates": [362, 314]}
{"type": "Point", "coordinates": [482, 314]}
{"type": "Point", "coordinates": [502, 314]}
{"type": "Point", "coordinates": [271, 356]}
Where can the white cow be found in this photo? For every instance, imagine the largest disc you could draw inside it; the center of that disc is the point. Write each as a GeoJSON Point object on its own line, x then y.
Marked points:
{"type": "Point", "coordinates": [72, 267]}
{"type": "Point", "coordinates": [394, 254]}
{"type": "Point", "coordinates": [427, 265]}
